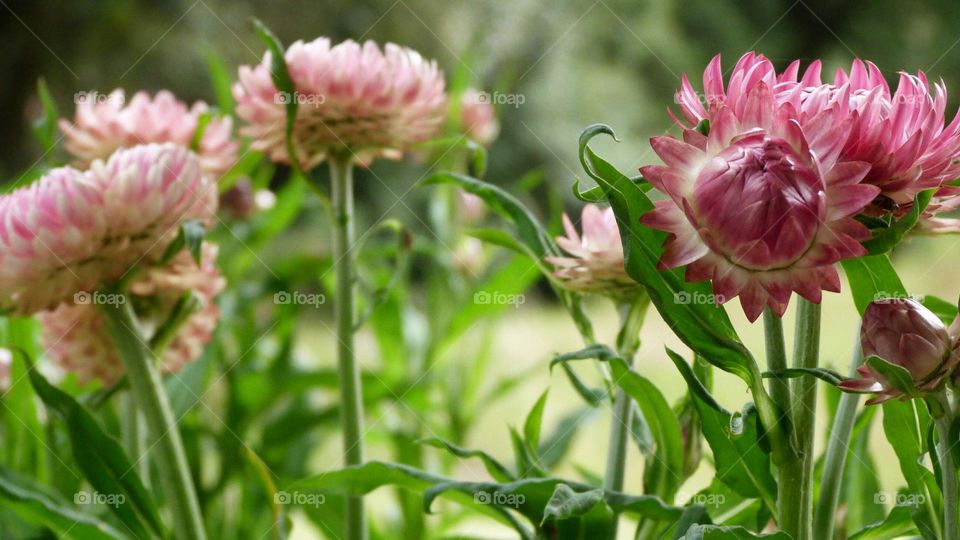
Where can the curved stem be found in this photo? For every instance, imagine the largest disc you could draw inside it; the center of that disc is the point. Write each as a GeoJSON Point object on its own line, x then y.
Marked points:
{"type": "Point", "coordinates": [164, 435]}
{"type": "Point", "coordinates": [351, 393]}
{"type": "Point", "coordinates": [628, 341]}
{"type": "Point", "coordinates": [948, 469]}
{"type": "Point", "coordinates": [835, 458]}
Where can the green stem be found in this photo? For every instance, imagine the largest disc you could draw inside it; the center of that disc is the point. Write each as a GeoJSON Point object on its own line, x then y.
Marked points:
{"type": "Point", "coordinates": [628, 341]}
{"type": "Point", "coordinates": [133, 434]}
{"type": "Point", "coordinates": [796, 475]}
{"type": "Point", "coordinates": [948, 469]}
{"type": "Point", "coordinates": [835, 457]}
{"type": "Point", "coordinates": [776, 359]}
{"type": "Point", "coordinates": [167, 447]}
{"type": "Point", "coordinates": [351, 393]}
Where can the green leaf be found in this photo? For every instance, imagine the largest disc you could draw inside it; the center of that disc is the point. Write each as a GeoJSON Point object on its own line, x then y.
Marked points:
{"type": "Point", "coordinates": [824, 374]}
{"type": "Point", "coordinates": [945, 311]}
{"type": "Point", "coordinates": [190, 237]}
{"type": "Point", "coordinates": [740, 463]}
{"type": "Point", "coordinates": [45, 128]}
{"type": "Point", "coordinates": [102, 460]}
{"type": "Point", "coordinates": [885, 239]}
{"type": "Point", "coordinates": [904, 424]}
{"type": "Point", "coordinates": [531, 427]}
{"type": "Point", "coordinates": [577, 515]}
{"type": "Point", "coordinates": [495, 469]}
{"type": "Point", "coordinates": [37, 505]}
{"type": "Point", "coordinates": [896, 376]}
{"type": "Point", "coordinates": [897, 524]}
{"type": "Point", "coordinates": [284, 84]}
{"type": "Point", "coordinates": [279, 528]}
{"type": "Point", "coordinates": [719, 532]}
{"type": "Point", "coordinates": [221, 80]}
{"type": "Point", "coordinates": [529, 230]}
{"type": "Point", "coordinates": [872, 277]}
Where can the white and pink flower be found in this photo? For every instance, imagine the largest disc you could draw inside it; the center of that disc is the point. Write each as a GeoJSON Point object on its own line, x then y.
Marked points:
{"type": "Point", "coordinates": [350, 97]}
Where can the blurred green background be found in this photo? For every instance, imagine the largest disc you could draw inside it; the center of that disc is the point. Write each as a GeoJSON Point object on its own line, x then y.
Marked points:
{"type": "Point", "coordinates": [574, 63]}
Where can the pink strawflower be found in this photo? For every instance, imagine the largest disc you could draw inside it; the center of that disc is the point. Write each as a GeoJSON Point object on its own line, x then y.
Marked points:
{"type": "Point", "coordinates": [478, 120]}
{"type": "Point", "coordinates": [760, 206]}
{"type": "Point", "coordinates": [103, 124]}
{"type": "Point", "coordinates": [350, 97]}
{"type": "Point", "coordinates": [905, 333]}
{"type": "Point", "coordinates": [75, 335]}
{"type": "Point", "coordinates": [595, 264]}
{"type": "Point", "coordinates": [902, 135]}
{"type": "Point", "coordinates": [72, 231]}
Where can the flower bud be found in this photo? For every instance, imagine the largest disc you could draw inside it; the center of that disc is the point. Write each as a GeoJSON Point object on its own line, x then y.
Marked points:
{"type": "Point", "coordinates": [904, 333]}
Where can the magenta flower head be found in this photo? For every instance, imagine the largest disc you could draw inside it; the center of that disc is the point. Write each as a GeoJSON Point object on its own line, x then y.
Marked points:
{"type": "Point", "coordinates": [595, 263]}
{"type": "Point", "coordinates": [105, 123]}
{"type": "Point", "coordinates": [350, 97]}
{"type": "Point", "coordinates": [478, 120]}
{"type": "Point", "coordinates": [75, 334]}
{"type": "Point", "coordinates": [72, 231]}
{"type": "Point", "coordinates": [905, 333]}
{"type": "Point", "coordinates": [760, 205]}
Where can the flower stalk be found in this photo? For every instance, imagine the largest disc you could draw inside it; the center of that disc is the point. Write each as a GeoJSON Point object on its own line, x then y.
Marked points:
{"type": "Point", "coordinates": [628, 341]}
{"type": "Point", "coordinates": [164, 435]}
{"type": "Point", "coordinates": [943, 417]}
{"type": "Point", "coordinates": [351, 393]}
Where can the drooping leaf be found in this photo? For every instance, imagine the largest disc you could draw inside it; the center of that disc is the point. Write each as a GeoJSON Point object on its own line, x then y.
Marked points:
{"type": "Point", "coordinates": [102, 460]}
{"type": "Point", "coordinates": [739, 460]}
{"type": "Point", "coordinates": [826, 375]}
{"type": "Point", "coordinates": [897, 376]}
{"type": "Point", "coordinates": [896, 525]}
{"type": "Point", "coordinates": [885, 239]}
{"type": "Point", "coordinates": [575, 516]}
{"type": "Point", "coordinates": [495, 469]}
{"type": "Point", "coordinates": [37, 505]}
{"type": "Point", "coordinates": [870, 278]}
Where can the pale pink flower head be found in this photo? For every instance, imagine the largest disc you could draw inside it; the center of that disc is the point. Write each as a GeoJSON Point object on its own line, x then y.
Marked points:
{"type": "Point", "coordinates": [905, 333]}
{"type": "Point", "coordinates": [595, 258]}
{"type": "Point", "coordinates": [105, 123]}
{"type": "Point", "coordinates": [478, 119]}
{"type": "Point", "coordinates": [350, 98]}
{"type": "Point", "coordinates": [760, 205]}
{"type": "Point", "coordinates": [75, 335]}
{"type": "Point", "coordinates": [72, 231]}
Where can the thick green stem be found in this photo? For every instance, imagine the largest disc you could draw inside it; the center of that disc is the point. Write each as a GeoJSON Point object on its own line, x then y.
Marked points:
{"type": "Point", "coordinates": [796, 475]}
{"type": "Point", "coordinates": [351, 393]}
{"type": "Point", "coordinates": [948, 469]}
{"type": "Point", "coordinates": [164, 436]}
{"type": "Point", "coordinates": [628, 341]}
{"type": "Point", "coordinates": [776, 359]}
{"type": "Point", "coordinates": [835, 458]}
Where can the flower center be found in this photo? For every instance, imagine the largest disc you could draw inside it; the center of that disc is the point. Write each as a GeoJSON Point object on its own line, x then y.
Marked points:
{"type": "Point", "coordinates": [759, 203]}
